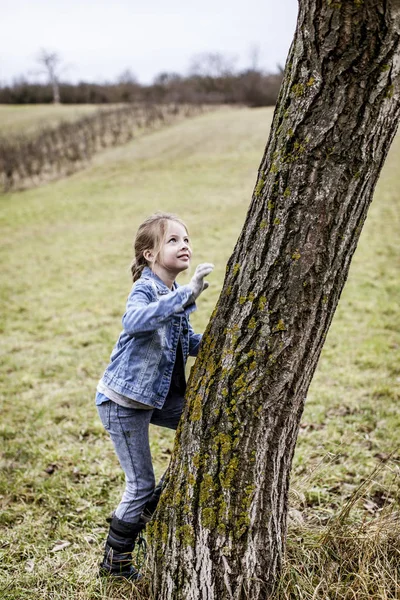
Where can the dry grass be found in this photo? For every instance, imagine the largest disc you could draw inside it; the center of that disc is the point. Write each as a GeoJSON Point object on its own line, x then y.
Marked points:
{"type": "Point", "coordinates": [27, 119]}
{"type": "Point", "coordinates": [65, 254]}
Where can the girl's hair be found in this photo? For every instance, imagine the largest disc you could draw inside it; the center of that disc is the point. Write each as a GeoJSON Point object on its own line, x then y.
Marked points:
{"type": "Point", "coordinates": [150, 236]}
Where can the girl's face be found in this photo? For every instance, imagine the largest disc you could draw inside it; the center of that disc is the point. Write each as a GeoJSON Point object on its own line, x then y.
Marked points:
{"type": "Point", "coordinates": [175, 254]}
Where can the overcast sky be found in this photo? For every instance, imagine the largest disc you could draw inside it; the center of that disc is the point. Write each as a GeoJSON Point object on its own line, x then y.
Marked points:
{"type": "Point", "coordinates": [99, 39]}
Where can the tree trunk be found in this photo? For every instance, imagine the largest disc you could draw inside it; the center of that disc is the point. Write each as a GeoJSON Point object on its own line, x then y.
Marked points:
{"type": "Point", "coordinates": [220, 529]}
{"type": "Point", "coordinates": [56, 91]}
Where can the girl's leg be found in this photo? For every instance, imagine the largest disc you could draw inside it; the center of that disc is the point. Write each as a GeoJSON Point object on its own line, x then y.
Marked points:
{"type": "Point", "coordinates": [168, 416]}
{"type": "Point", "coordinates": [129, 432]}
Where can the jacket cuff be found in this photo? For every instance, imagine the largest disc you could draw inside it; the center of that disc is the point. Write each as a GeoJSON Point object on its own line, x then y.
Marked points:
{"type": "Point", "coordinates": [188, 303]}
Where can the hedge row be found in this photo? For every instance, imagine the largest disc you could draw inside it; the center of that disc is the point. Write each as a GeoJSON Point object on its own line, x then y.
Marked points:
{"type": "Point", "coordinates": [55, 152]}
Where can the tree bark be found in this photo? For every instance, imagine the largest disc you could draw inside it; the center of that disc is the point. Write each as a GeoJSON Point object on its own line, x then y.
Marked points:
{"type": "Point", "coordinates": [220, 529]}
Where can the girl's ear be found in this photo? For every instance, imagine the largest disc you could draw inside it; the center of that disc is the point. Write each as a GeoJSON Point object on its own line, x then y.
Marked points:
{"type": "Point", "coordinates": [148, 255]}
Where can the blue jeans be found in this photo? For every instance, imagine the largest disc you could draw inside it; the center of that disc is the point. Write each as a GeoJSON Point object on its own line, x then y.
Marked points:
{"type": "Point", "coordinates": [129, 432]}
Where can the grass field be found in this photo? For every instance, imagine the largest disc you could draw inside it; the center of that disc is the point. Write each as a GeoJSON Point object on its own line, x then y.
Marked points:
{"type": "Point", "coordinates": [20, 118]}
{"type": "Point", "coordinates": [65, 254]}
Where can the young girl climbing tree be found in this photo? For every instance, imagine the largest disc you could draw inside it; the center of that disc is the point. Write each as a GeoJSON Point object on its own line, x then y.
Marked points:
{"type": "Point", "coordinates": [145, 380]}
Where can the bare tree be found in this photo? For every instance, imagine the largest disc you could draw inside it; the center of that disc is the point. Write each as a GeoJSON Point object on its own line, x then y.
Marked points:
{"type": "Point", "coordinates": [254, 54]}
{"type": "Point", "coordinates": [220, 530]}
{"type": "Point", "coordinates": [127, 76]}
{"type": "Point", "coordinates": [212, 64]}
{"type": "Point", "coordinates": [50, 61]}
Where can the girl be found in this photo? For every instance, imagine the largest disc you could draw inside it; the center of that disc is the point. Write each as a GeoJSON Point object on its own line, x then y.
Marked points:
{"type": "Point", "coordinates": [145, 380]}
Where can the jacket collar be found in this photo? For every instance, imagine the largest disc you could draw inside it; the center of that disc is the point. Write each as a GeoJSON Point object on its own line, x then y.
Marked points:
{"type": "Point", "coordinates": [147, 273]}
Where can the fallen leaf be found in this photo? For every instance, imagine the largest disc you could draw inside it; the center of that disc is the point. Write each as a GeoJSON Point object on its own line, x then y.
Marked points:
{"type": "Point", "coordinates": [30, 565]}
{"type": "Point", "coordinates": [370, 506]}
{"type": "Point", "coordinates": [382, 456]}
{"type": "Point", "coordinates": [50, 469]}
{"type": "Point", "coordinates": [89, 539]}
{"type": "Point", "coordinates": [60, 545]}
{"type": "Point", "coordinates": [295, 517]}
{"type": "Point", "coordinates": [84, 506]}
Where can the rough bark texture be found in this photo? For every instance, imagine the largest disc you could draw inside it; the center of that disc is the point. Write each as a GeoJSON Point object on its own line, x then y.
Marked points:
{"type": "Point", "coordinates": [220, 529]}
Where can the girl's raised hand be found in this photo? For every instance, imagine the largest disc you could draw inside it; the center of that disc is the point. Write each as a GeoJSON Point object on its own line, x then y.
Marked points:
{"type": "Point", "coordinates": [197, 283]}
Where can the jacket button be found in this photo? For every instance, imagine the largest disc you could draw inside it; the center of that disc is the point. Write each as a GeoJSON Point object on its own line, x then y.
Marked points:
{"type": "Point", "coordinates": [185, 330]}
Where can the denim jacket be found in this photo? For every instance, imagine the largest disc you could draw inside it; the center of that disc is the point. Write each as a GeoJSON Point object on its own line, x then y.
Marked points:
{"type": "Point", "coordinates": [143, 358]}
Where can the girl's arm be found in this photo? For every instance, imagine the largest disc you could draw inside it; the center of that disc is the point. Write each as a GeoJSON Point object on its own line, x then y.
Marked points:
{"type": "Point", "coordinates": [143, 313]}
{"type": "Point", "coordinates": [194, 341]}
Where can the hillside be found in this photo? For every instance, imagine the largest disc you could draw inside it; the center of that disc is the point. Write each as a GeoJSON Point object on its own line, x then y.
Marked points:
{"type": "Point", "coordinates": [65, 255]}
{"type": "Point", "coordinates": [28, 118]}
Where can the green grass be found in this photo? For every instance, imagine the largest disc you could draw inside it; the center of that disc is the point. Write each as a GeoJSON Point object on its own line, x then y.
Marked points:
{"type": "Point", "coordinates": [27, 119]}
{"type": "Point", "coordinates": [65, 254]}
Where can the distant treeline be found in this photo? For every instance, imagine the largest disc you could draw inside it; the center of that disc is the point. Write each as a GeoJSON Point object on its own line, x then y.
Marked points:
{"type": "Point", "coordinates": [250, 87]}
{"type": "Point", "coordinates": [54, 152]}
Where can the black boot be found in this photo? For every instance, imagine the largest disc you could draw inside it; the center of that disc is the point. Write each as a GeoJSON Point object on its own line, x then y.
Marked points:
{"type": "Point", "coordinates": [120, 543]}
